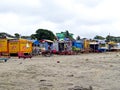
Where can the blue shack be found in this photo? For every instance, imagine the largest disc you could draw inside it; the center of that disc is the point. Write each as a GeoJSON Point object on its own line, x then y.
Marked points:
{"type": "Point", "coordinates": [78, 44]}
{"type": "Point", "coordinates": [98, 45]}
{"type": "Point", "coordinates": [36, 47]}
{"type": "Point", "coordinates": [46, 43]}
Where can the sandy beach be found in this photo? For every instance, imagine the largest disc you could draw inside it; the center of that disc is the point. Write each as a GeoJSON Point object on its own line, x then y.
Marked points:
{"type": "Point", "coordinates": [101, 71]}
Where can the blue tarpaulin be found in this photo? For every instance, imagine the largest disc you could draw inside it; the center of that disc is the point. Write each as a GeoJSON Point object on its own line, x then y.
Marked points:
{"type": "Point", "coordinates": [36, 42]}
{"type": "Point", "coordinates": [78, 44]}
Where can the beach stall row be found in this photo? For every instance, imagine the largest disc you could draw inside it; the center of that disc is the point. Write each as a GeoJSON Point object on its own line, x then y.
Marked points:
{"type": "Point", "coordinates": [96, 45]}
{"type": "Point", "coordinates": [13, 46]}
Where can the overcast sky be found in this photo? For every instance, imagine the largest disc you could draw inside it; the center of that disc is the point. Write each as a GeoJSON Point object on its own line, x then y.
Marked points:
{"type": "Point", "coordinates": [85, 18]}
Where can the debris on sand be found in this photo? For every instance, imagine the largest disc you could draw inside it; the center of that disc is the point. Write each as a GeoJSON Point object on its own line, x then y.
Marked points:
{"type": "Point", "coordinates": [42, 80]}
{"type": "Point", "coordinates": [87, 59]}
{"type": "Point", "coordinates": [20, 63]}
{"type": "Point", "coordinates": [58, 61]}
{"type": "Point", "coordinates": [111, 65]}
{"type": "Point", "coordinates": [80, 88]}
{"type": "Point", "coordinates": [70, 75]}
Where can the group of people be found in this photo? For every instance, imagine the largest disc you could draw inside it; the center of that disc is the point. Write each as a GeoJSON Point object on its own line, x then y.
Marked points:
{"type": "Point", "coordinates": [38, 50]}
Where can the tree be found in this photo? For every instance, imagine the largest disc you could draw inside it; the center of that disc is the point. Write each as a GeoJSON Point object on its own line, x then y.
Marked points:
{"type": "Point", "coordinates": [44, 34]}
{"type": "Point", "coordinates": [78, 38]}
{"type": "Point", "coordinates": [4, 35]}
{"type": "Point", "coordinates": [68, 35]}
{"type": "Point", "coordinates": [113, 38]}
{"type": "Point", "coordinates": [99, 37]}
{"type": "Point", "coordinates": [26, 37]}
{"type": "Point", "coordinates": [33, 36]}
{"type": "Point", "coordinates": [109, 38]}
{"type": "Point", "coordinates": [17, 35]}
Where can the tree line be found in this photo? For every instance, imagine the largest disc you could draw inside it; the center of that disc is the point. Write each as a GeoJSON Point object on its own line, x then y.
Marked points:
{"type": "Point", "coordinates": [108, 38]}
{"type": "Point", "coordinates": [44, 34]}
{"type": "Point", "coordinates": [48, 34]}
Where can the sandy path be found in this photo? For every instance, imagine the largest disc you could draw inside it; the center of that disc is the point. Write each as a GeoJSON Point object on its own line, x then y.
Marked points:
{"type": "Point", "coordinates": [101, 71]}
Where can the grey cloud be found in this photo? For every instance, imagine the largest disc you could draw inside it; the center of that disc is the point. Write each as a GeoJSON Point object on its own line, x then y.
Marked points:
{"type": "Point", "coordinates": [18, 8]}
{"type": "Point", "coordinates": [50, 11]}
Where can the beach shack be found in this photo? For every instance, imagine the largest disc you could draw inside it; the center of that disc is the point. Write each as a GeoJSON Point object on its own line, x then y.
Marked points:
{"type": "Point", "coordinates": [60, 46]}
{"type": "Point", "coordinates": [55, 46]}
{"type": "Point", "coordinates": [36, 47]}
{"type": "Point", "coordinates": [98, 45]}
{"type": "Point", "coordinates": [118, 46]}
{"type": "Point", "coordinates": [45, 44]}
{"type": "Point", "coordinates": [103, 46]}
{"type": "Point", "coordinates": [86, 44]}
{"type": "Point", "coordinates": [3, 45]}
{"type": "Point", "coordinates": [94, 46]}
{"type": "Point", "coordinates": [113, 46]}
{"type": "Point", "coordinates": [78, 44]}
{"type": "Point", "coordinates": [20, 45]}
{"type": "Point", "coordinates": [63, 43]}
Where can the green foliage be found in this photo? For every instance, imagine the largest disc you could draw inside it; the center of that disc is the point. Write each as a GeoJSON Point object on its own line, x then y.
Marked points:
{"type": "Point", "coordinates": [44, 34]}
{"type": "Point", "coordinates": [78, 38]}
{"type": "Point", "coordinates": [25, 37]}
{"type": "Point", "coordinates": [33, 36]}
{"type": "Point", "coordinates": [99, 37]}
{"type": "Point", "coordinates": [17, 35]}
{"type": "Point", "coordinates": [68, 35]}
{"type": "Point", "coordinates": [3, 34]}
{"type": "Point", "coordinates": [109, 38]}
{"type": "Point", "coordinates": [113, 38]}
{"type": "Point", "coordinates": [75, 49]}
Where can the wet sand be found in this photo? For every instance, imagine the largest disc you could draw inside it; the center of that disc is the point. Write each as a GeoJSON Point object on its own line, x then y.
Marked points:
{"type": "Point", "coordinates": [99, 70]}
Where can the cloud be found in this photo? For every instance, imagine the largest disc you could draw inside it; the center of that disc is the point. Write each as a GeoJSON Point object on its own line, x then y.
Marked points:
{"type": "Point", "coordinates": [86, 18]}
{"type": "Point", "coordinates": [21, 7]}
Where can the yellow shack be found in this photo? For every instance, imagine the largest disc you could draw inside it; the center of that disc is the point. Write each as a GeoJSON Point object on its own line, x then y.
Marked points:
{"type": "Point", "coordinates": [20, 45]}
{"type": "Point", "coordinates": [86, 44]}
{"type": "Point", "coordinates": [3, 45]}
